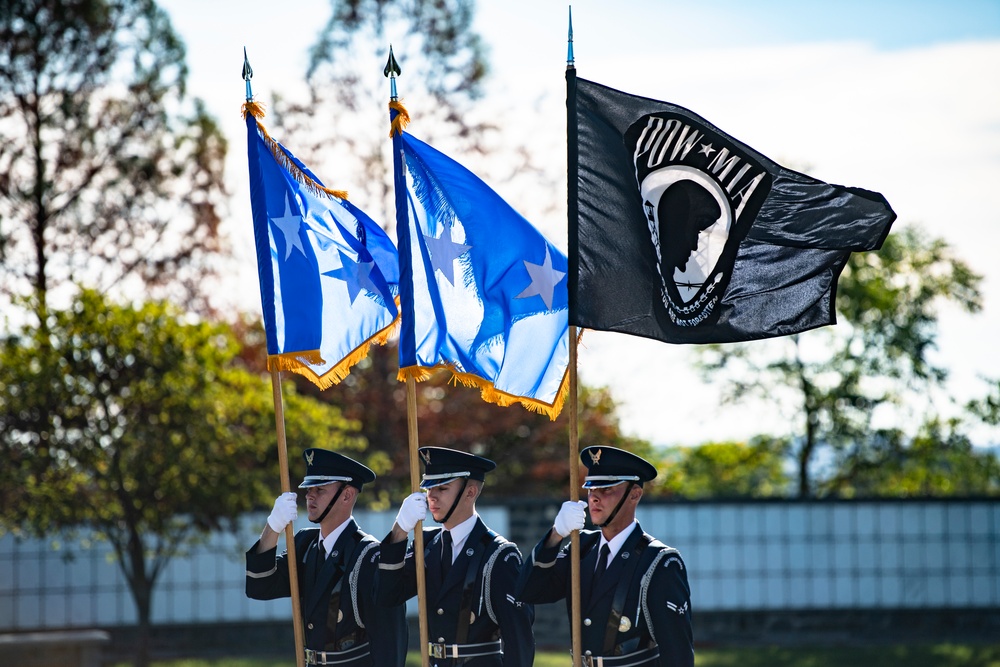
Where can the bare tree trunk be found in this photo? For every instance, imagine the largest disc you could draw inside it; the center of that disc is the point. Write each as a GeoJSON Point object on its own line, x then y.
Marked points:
{"type": "Point", "coordinates": [141, 586]}
{"type": "Point", "coordinates": [142, 594]}
{"type": "Point", "coordinates": [809, 408]}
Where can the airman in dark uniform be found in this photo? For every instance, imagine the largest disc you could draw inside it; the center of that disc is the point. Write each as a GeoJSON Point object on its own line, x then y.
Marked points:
{"type": "Point", "coordinates": [471, 571]}
{"type": "Point", "coordinates": [635, 599]}
{"type": "Point", "coordinates": [337, 564]}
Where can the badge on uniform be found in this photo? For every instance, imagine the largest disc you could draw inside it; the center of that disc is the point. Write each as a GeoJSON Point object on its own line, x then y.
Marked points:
{"type": "Point", "coordinates": [340, 615]}
{"type": "Point", "coordinates": [624, 625]}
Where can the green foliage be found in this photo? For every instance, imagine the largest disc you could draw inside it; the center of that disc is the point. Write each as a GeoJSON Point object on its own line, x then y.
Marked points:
{"type": "Point", "coordinates": [987, 408]}
{"type": "Point", "coordinates": [126, 418]}
{"type": "Point", "coordinates": [834, 380]}
{"type": "Point", "coordinates": [725, 470]}
{"type": "Point", "coordinates": [137, 423]}
{"type": "Point", "coordinates": [109, 176]}
{"type": "Point", "coordinates": [939, 460]}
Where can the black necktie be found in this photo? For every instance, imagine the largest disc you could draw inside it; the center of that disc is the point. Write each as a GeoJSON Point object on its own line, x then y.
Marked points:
{"type": "Point", "coordinates": [602, 565]}
{"type": "Point", "coordinates": [445, 553]}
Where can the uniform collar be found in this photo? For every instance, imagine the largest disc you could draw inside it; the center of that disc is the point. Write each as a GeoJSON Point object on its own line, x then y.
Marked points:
{"type": "Point", "coordinates": [332, 538]}
{"type": "Point", "coordinates": [460, 533]}
{"type": "Point", "coordinates": [616, 542]}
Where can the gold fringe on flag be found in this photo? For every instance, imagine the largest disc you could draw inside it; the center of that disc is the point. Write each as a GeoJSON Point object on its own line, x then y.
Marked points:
{"type": "Point", "coordinates": [256, 109]}
{"type": "Point", "coordinates": [299, 362]}
{"type": "Point", "coordinates": [401, 120]}
{"type": "Point", "coordinates": [487, 391]}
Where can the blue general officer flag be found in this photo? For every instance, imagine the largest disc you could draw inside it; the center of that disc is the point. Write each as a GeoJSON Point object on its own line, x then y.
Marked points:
{"type": "Point", "coordinates": [327, 271]}
{"type": "Point", "coordinates": [483, 293]}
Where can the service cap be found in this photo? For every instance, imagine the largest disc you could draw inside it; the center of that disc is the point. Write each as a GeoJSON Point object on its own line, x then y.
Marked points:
{"type": "Point", "coordinates": [608, 466]}
{"type": "Point", "coordinates": [442, 465]}
{"type": "Point", "coordinates": [326, 467]}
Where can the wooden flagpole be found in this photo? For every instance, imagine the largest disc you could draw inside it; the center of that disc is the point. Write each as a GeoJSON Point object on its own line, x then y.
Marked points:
{"type": "Point", "coordinates": [418, 530]}
{"type": "Point", "coordinates": [279, 424]}
{"type": "Point", "coordinates": [572, 211]}
{"type": "Point", "coordinates": [574, 495]}
{"type": "Point", "coordinates": [293, 563]}
{"type": "Point", "coordinates": [391, 70]}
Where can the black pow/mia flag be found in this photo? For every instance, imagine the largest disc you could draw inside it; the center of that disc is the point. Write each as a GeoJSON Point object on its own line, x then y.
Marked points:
{"type": "Point", "coordinates": [681, 233]}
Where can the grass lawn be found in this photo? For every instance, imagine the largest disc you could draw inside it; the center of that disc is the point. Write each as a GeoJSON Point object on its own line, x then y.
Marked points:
{"type": "Point", "coordinates": [935, 655]}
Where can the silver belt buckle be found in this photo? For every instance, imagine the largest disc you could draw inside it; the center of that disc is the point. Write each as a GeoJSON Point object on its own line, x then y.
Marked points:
{"type": "Point", "coordinates": [436, 650]}
{"type": "Point", "coordinates": [310, 656]}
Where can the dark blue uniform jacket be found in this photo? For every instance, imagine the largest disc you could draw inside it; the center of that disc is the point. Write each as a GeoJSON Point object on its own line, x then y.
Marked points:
{"type": "Point", "coordinates": [657, 599]}
{"type": "Point", "coordinates": [338, 605]}
{"type": "Point", "coordinates": [494, 612]}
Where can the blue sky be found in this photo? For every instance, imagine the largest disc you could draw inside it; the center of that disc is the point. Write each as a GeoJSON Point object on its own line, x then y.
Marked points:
{"type": "Point", "coordinates": [885, 24]}
{"type": "Point", "coordinates": [898, 97]}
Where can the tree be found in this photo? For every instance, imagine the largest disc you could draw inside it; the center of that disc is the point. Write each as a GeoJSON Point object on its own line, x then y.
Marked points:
{"type": "Point", "coordinates": [444, 65]}
{"type": "Point", "coordinates": [754, 469]}
{"type": "Point", "coordinates": [835, 381]}
{"type": "Point", "coordinates": [344, 123]}
{"type": "Point", "coordinates": [939, 460]}
{"type": "Point", "coordinates": [136, 422]}
{"type": "Point", "coordinates": [109, 176]}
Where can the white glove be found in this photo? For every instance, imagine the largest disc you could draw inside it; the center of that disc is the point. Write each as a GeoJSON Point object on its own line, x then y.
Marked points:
{"type": "Point", "coordinates": [413, 509]}
{"type": "Point", "coordinates": [571, 517]}
{"type": "Point", "coordinates": [284, 512]}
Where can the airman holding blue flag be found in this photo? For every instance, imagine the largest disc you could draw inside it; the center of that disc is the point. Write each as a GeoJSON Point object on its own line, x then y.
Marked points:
{"type": "Point", "coordinates": [337, 565]}
{"type": "Point", "coordinates": [471, 570]}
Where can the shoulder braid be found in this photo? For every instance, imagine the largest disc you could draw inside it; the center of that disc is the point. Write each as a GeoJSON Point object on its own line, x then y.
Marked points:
{"type": "Point", "coordinates": [663, 552]}
{"type": "Point", "coordinates": [503, 546]}
{"type": "Point", "coordinates": [356, 574]}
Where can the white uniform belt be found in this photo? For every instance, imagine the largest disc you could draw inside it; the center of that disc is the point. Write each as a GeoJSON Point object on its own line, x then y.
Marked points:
{"type": "Point", "coordinates": [646, 656]}
{"type": "Point", "coordinates": [441, 650]}
{"type": "Point", "coordinates": [337, 657]}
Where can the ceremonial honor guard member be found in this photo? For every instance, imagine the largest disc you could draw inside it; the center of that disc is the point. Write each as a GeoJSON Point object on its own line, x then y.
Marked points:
{"type": "Point", "coordinates": [635, 598]}
{"type": "Point", "coordinates": [470, 570]}
{"type": "Point", "coordinates": [337, 564]}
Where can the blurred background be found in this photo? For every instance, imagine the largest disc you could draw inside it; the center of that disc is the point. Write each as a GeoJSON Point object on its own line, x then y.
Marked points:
{"type": "Point", "coordinates": [831, 490]}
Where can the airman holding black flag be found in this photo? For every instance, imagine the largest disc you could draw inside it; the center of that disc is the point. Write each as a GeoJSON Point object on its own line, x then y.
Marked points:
{"type": "Point", "coordinates": [636, 603]}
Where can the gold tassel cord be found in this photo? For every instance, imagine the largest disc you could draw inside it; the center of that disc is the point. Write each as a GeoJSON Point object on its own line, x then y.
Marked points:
{"type": "Point", "coordinates": [300, 362]}
{"type": "Point", "coordinates": [289, 361]}
{"type": "Point", "coordinates": [401, 120]}
{"type": "Point", "coordinates": [488, 392]}
{"type": "Point", "coordinates": [256, 109]}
